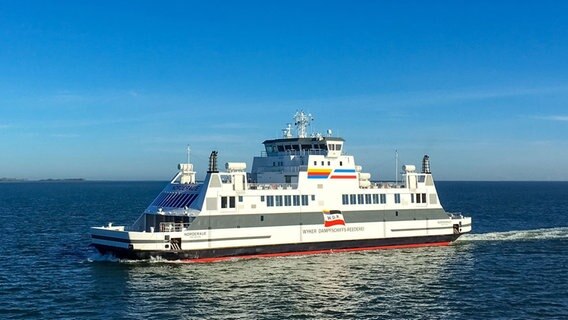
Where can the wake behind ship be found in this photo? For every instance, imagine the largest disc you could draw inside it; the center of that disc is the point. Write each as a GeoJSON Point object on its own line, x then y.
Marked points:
{"type": "Point", "coordinates": [304, 194]}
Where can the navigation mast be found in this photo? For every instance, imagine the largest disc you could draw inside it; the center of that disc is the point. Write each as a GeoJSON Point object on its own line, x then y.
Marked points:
{"type": "Point", "coordinates": [302, 121]}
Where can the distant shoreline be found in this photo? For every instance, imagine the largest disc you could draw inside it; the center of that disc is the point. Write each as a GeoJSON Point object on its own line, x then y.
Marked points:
{"type": "Point", "coordinates": [11, 180]}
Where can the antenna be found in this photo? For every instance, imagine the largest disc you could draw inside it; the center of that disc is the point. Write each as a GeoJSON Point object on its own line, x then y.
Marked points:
{"type": "Point", "coordinates": [302, 121]}
{"type": "Point", "coordinates": [287, 132]}
{"type": "Point", "coordinates": [188, 154]}
{"type": "Point", "coordinates": [396, 166]}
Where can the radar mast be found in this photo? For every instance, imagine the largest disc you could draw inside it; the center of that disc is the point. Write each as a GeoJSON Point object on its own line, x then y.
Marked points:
{"type": "Point", "coordinates": [302, 121]}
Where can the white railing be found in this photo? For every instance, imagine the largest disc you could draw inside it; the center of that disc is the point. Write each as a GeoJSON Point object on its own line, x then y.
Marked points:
{"type": "Point", "coordinates": [173, 226]}
{"type": "Point", "coordinates": [273, 186]}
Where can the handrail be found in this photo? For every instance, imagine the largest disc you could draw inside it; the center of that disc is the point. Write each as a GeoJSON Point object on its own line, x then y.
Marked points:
{"type": "Point", "coordinates": [272, 186]}
{"type": "Point", "coordinates": [173, 226]}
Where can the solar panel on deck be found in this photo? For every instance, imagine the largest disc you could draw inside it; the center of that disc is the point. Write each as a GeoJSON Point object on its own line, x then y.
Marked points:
{"type": "Point", "coordinates": [159, 199]}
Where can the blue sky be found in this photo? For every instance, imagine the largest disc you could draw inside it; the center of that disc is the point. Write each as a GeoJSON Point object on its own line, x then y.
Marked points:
{"type": "Point", "coordinates": [116, 90]}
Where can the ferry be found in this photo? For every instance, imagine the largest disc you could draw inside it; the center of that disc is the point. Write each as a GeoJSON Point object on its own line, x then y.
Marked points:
{"type": "Point", "coordinates": [304, 194]}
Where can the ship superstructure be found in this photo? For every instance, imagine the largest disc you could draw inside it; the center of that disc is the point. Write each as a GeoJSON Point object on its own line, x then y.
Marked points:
{"type": "Point", "coordinates": [304, 194]}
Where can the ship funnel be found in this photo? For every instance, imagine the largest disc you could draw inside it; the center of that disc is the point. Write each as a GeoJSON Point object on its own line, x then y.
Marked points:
{"type": "Point", "coordinates": [213, 162]}
{"type": "Point", "coordinates": [426, 164]}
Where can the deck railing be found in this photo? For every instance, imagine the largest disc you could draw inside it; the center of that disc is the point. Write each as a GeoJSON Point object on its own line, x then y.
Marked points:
{"type": "Point", "coordinates": [173, 226]}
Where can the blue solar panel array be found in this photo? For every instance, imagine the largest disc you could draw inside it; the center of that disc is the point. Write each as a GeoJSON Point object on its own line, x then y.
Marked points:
{"type": "Point", "coordinates": [174, 199]}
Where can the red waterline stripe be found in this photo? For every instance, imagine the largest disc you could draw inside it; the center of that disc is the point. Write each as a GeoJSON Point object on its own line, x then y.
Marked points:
{"type": "Point", "coordinates": [303, 253]}
{"type": "Point", "coordinates": [343, 177]}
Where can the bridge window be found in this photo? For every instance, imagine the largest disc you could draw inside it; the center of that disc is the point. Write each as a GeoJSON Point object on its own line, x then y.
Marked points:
{"type": "Point", "coordinates": [270, 201]}
{"type": "Point", "coordinates": [338, 147]}
{"type": "Point", "coordinates": [345, 199]}
{"type": "Point", "coordinates": [383, 198]}
{"type": "Point", "coordinates": [368, 199]}
{"type": "Point", "coordinates": [278, 201]}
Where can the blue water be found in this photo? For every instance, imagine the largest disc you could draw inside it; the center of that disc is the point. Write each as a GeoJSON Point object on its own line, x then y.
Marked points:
{"type": "Point", "coordinates": [514, 265]}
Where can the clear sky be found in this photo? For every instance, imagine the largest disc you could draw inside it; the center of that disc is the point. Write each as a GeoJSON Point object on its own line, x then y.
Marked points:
{"type": "Point", "coordinates": [117, 89]}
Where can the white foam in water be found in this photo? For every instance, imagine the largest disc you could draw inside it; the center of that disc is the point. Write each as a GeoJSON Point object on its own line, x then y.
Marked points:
{"type": "Point", "coordinates": [536, 234]}
{"type": "Point", "coordinates": [97, 257]}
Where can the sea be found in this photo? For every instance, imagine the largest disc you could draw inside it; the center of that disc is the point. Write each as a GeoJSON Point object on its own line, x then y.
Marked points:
{"type": "Point", "coordinates": [514, 265]}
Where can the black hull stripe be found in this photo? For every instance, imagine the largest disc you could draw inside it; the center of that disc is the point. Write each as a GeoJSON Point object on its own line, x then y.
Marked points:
{"type": "Point", "coordinates": [228, 239]}
{"type": "Point", "coordinates": [272, 249]}
{"type": "Point", "coordinates": [94, 236]}
{"type": "Point", "coordinates": [422, 229]}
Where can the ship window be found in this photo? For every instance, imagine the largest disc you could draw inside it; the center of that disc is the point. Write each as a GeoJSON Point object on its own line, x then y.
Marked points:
{"type": "Point", "coordinates": [261, 218]}
{"type": "Point", "coordinates": [306, 147]}
{"type": "Point", "coordinates": [278, 201]}
{"type": "Point", "coordinates": [231, 202]}
{"type": "Point", "coordinates": [420, 199]}
{"type": "Point", "coordinates": [240, 198]}
{"type": "Point", "coordinates": [280, 148]}
{"type": "Point", "coordinates": [287, 201]}
{"type": "Point", "coordinates": [274, 164]}
{"type": "Point", "coordinates": [296, 200]}
{"type": "Point", "coordinates": [296, 147]}
{"type": "Point", "coordinates": [412, 197]}
{"type": "Point", "coordinates": [315, 163]}
{"type": "Point", "coordinates": [341, 163]}
{"type": "Point", "coordinates": [329, 163]}
{"type": "Point", "coordinates": [288, 147]}
{"type": "Point", "coordinates": [223, 202]}
{"type": "Point", "coordinates": [338, 147]}
{"type": "Point", "coordinates": [397, 198]}
{"type": "Point", "coordinates": [262, 198]}
{"type": "Point", "coordinates": [353, 199]}
{"type": "Point", "coordinates": [270, 201]}
{"type": "Point", "coordinates": [360, 199]}
{"type": "Point", "coordinates": [323, 163]}
{"type": "Point", "coordinates": [313, 197]}
{"type": "Point", "coordinates": [368, 199]}
{"type": "Point", "coordinates": [375, 198]}
{"type": "Point", "coordinates": [345, 199]}
{"type": "Point", "coordinates": [331, 147]}
{"type": "Point", "coordinates": [323, 146]}
{"type": "Point", "coordinates": [304, 200]}
{"type": "Point", "coordinates": [383, 198]}
{"type": "Point", "coordinates": [421, 178]}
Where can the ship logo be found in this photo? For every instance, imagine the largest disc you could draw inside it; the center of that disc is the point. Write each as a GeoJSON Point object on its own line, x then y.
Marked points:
{"type": "Point", "coordinates": [344, 174]}
{"type": "Point", "coordinates": [318, 173]}
{"type": "Point", "coordinates": [333, 218]}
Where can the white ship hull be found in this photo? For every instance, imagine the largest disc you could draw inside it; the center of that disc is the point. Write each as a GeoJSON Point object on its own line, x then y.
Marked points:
{"type": "Point", "coordinates": [267, 241]}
